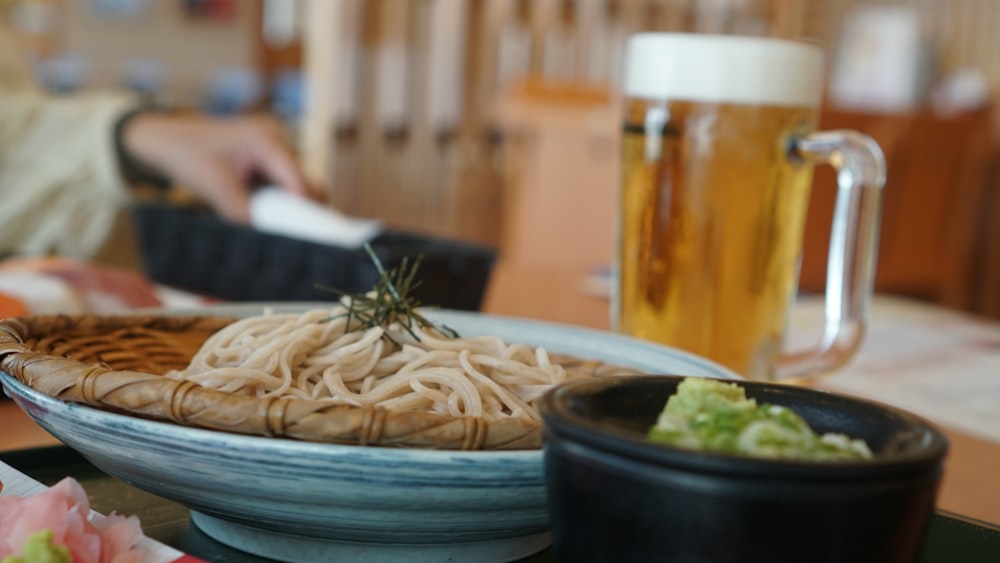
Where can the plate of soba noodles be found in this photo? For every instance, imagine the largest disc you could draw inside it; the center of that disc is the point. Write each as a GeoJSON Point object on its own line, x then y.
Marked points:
{"type": "Point", "coordinates": [323, 431]}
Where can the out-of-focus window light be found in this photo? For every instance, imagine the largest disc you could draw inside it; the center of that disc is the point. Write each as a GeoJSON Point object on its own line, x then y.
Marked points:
{"type": "Point", "coordinates": [881, 62]}
{"type": "Point", "coordinates": [232, 91]}
{"type": "Point", "coordinates": [120, 10]}
{"type": "Point", "coordinates": [145, 76]}
{"type": "Point", "coordinates": [280, 22]}
{"type": "Point", "coordinates": [63, 73]}
{"type": "Point", "coordinates": [34, 18]}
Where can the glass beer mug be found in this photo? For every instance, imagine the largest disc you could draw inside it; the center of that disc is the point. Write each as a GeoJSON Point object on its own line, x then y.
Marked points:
{"type": "Point", "coordinates": [718, 153]}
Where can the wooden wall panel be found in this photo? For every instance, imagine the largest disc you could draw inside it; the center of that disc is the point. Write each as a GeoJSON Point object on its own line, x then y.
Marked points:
{"type": "Point", "coordinates": [442, 176]}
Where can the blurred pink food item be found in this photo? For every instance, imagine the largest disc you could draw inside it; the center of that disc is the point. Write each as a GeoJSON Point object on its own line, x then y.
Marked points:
{"type": "Point", "coordinates": [63, 285]}
{"type": "Point", "coordinates": [65, 511]}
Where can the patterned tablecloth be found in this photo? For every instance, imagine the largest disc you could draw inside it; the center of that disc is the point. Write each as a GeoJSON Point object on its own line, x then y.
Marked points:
{"type": "Point", "coordinates": [934, 362]}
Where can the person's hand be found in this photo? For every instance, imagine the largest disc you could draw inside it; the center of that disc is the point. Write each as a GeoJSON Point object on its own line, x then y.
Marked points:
{"type": "Point", "coordinates": [216, 158]}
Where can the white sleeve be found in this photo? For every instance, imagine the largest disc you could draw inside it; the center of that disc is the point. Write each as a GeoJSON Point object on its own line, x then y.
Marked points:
{"type": "Point", "coordinates": [60, 183]}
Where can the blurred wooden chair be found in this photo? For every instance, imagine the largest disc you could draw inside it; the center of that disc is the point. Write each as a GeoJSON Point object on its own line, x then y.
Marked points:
{"type": "Point", "coordinates": [561, 169]}
{"type": "Point", "coordinates": [985, 279]}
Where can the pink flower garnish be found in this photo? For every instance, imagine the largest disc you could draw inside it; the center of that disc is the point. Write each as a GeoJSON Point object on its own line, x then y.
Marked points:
{"type": "Point", "coordinates": [65, 510]}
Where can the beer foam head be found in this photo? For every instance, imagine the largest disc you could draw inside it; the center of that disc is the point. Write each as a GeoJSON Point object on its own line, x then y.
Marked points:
{"type": "Point", "coordinates": [723, 69]}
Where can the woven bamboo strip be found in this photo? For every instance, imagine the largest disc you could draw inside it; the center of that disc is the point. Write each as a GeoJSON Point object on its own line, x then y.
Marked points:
{"type": "Point", "coordinates": [117, 363]}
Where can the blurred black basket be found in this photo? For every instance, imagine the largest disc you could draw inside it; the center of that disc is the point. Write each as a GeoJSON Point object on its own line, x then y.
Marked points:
{"type": "Point", "coordinates": [193, 250]}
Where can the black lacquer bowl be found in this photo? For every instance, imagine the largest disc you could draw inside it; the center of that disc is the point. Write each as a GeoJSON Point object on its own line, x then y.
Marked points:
{"type": "Point", "coordinates": [614, 496]}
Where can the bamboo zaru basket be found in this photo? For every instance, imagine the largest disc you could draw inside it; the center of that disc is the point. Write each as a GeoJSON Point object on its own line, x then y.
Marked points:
{"type": "Point", "coordinates": [117, 363]}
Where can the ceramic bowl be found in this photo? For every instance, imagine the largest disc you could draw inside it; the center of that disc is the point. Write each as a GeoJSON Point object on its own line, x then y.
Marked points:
{"type": "Point", "coordinates": [301, 501]}
{"type": "Point", "coordinates": [615, 496]}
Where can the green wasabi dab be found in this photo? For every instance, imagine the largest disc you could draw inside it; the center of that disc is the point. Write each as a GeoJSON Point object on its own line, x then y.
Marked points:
{"type": "Point", "coordinates": [39, 548]}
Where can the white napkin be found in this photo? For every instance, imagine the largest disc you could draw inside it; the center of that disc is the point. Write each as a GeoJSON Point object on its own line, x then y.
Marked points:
{"type": "Point", "coordinates": [280, 212]}
{"type": "Point", "coordinates": [41, 293]}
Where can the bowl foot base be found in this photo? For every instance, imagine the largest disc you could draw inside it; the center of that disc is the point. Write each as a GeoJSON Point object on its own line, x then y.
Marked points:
{"type": "Point", "coordinates": [285, 547]}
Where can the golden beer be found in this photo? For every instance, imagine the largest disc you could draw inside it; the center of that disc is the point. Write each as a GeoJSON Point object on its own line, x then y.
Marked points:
{"type": "Point", "coordinates": [713, 202]}
{"type": "Point", "coordinates": [712, 216]}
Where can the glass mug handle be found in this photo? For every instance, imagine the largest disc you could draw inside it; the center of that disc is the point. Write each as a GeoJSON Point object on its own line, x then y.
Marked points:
{"type": "Point", "coordinates": [850, 275]}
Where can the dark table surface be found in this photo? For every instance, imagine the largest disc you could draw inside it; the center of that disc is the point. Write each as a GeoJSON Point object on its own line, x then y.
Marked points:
{"type": "Point", "coordinates": [952, 538]}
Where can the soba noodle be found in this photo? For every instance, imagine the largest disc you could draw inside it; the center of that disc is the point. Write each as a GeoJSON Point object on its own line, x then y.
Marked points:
{"type": "Point", "coordinates": [313, 355]}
